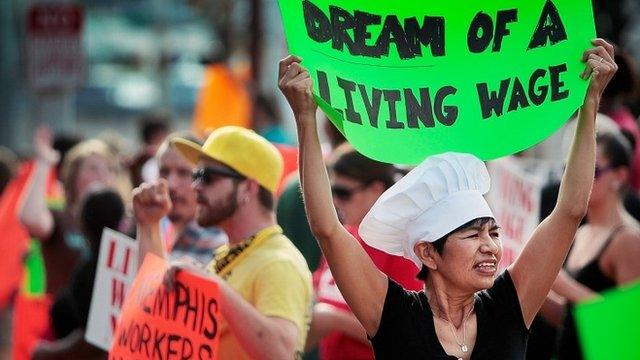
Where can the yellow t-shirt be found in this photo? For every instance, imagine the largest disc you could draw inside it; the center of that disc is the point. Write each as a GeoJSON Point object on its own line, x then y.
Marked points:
{"type": "Point", "coordinates": [273, 276]}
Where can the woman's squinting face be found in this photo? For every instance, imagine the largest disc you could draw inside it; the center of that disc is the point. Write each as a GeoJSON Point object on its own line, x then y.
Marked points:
{"type": "Point", "coordinates": [95, 169]}
{"type": "Point", "coordinates": [471, 256]}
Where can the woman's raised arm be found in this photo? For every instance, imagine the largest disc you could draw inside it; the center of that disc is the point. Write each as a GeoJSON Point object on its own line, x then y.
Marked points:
{"type": "Point", "coordinates": [363, 286]}
{"type": "Point", "coordinates": [536, 268]}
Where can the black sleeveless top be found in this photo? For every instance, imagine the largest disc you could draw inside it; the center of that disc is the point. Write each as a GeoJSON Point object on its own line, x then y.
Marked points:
{"type": "Point", "coordinates": [592, 277]}
{"type": "Point", "coordinates": [407, 330]}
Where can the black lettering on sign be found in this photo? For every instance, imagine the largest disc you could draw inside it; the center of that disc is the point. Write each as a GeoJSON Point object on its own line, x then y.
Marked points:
{"type": "Point", "coordinates": [134, 336]}
{"type": "Point", "coordinates": [418, 109]}
{"type": "Point", "coordinates": [446, 115]}
{"type": "Point", "coordinates": [349, 87]}
{"type": "Point", "coordinates": [161, 304]}
{"type": "Point", "coordinates": [201, 302]}
{"type": "Point", "coordinates": [158, 337]}
{"type": "Point", "coordinates": [550, 27]}
{"type": "Point", "coordinates": [361, 35]}
{"type": "Point", "coordinates": [323, 87]}
{"type": "Point", "coordinates": [504, 17]}
{"type": "Point", "coordinates": [145, 337]}
{"type": "Point", "coordinates": [212, 307]}
{"type": "Point", "coordinates": [352, 31]}
{"type": "Point", "coordinates": [422, 105]}
{"type": "Point", "coordinates": [186, 302]}
{"type": "Point", "coordinates": [341, 22]}
{"type": "Point", "coordinates": [518, 96]}
{"type": "Point", "coordinates": [556, 92]}
{"type": "Point", "coordinates": [371, 105]}
{"type": "Point", "coordinates": [391, 97]}
{"type": "Point", "coordinates": [205, 352]}
{"type": "Point", "coordinates": [480, 33]}
{"type": "Point", "coordinates": [430, 34]}
{"type": "Point", "coordinates": [317, 23]}
{"type": "Point", "coordinates": [171, 339]}
{"type": "Point", "coordinates": [186, 350]}
{"type": "Point", "coordinates": [537, 98]}
{"type": "Point", "coordinates": [392, 32]}
{"type": "Point", "coordinates": [492, 101]}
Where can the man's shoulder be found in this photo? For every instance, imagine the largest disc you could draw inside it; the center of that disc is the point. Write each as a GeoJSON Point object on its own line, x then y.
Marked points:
{"type": "Point", "coordinates": [279, 249]}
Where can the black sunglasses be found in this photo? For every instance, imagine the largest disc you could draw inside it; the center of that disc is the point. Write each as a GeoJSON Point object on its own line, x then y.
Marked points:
{"type": "Point", "coordinates": [208, 175]}
{"type": "Point", "coordinates": [601, 170]}
{"type": "Point", "coordinates": [345, 193]}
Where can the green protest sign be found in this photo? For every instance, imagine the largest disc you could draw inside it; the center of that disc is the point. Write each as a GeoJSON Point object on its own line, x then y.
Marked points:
{"type": "Point", "coordinates": [608, 327]}
{"type": "Point", "coordinates": [407, 79]}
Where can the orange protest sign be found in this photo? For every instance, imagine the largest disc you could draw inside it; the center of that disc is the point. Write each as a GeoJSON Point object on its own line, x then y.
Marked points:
{"type": "Point", "coordinates": [158, 324]}
{"type": "Point", "coordinates": [223, 100]}
{"type": "Point", "coordinates": [15, 240]}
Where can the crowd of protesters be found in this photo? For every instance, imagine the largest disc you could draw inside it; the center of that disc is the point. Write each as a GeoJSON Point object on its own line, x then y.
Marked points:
{"type": "Point", "coordinates": [218, 206]}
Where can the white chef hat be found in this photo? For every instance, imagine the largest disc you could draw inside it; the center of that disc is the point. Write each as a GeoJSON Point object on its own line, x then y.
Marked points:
{"type": "Point", "coordinates": [441, 194]}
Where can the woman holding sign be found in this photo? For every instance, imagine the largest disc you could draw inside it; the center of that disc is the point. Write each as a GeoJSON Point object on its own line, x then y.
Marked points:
{"type": "Point", "coordinates": [437, 217]}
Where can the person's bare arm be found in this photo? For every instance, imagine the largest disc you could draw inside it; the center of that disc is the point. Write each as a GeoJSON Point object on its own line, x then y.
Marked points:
{"type": "Point", "coordinates": [625, 254]}
{"type": "Point", "coordinates": [261, 336]}
{"type": "Point", "coordinates": [553, 309]}
{"type": "Point", "coordinates": [536, 268]}
{"type": "Point", "coordinates": [34, 214]}
{"type": "Point", "coordinates": [363, 286]}
{"type": "Point", "coordinates": [328, 318]}
{"type": "Point", "coordinates": [267, 337]}
{"type": "Point", "coordinates": [151, 203]}
{"type": "Point", "coordinates": [73, 346]}
{"type": "Point", "coordinates": [570, 289]}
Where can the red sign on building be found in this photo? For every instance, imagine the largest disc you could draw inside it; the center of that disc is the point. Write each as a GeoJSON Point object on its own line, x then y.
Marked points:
{"type": "Point", "coordinates": [54, 49]}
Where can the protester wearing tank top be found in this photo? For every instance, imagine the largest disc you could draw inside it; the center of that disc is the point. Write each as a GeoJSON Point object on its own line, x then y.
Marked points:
{"type": "Point", "coordinates": [605, 252]}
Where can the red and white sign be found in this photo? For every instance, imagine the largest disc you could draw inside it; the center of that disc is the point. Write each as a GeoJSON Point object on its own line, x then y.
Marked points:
{"type": "Point", "coordinates": [159, 323]}
{"type": "Point", "coordinates": [117, 268]}
{"type": "Point", "coordinates": [54, 49]}
{"type": "Point", "coordinates": [515, 200]}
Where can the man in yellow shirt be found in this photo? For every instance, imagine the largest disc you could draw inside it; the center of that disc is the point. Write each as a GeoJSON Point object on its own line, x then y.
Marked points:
{"type": "Point", "coordinates": [265, 284]}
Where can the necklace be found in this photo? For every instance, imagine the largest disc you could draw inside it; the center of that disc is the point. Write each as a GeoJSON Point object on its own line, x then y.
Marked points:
{"type": "Point", "coordinates": [225, 257]}
{"type": "Point", "coordinates": [463, 344]}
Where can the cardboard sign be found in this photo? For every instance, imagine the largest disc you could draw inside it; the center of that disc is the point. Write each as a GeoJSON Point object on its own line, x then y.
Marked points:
{"type": "Point", "coordinates": [608, 327]}
{"type": "Point", "coordinates": [407, 79]}
{"type": "Point", "coordinates": [117, 266]}
{"type": "Point", "coordinates": [515, 200]}
{"type": "Point", "coordinates": [157, 324]}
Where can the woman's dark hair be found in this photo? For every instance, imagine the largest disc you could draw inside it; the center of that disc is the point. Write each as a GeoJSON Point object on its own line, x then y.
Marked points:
{"type": "Point", "coordinates": [352, 164]}
{"type": "Point", "coordinates": [101, 208]}
{"type": "Point", "coordinates": [153, 124]}
{"type": "Point", "coordinates": [438, 245]}
{"type": "Point", "coordinates": [616, 148]}
{"type": "Point", "coordinates": [624, 83]}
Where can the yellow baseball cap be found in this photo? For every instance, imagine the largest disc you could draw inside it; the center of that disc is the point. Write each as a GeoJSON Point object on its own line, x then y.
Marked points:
{"type": "Point", "coordinates": [242, 150]}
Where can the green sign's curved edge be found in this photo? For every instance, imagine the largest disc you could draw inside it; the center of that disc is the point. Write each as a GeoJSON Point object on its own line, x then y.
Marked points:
{"type": "Point", "coordinates": [401, 108]}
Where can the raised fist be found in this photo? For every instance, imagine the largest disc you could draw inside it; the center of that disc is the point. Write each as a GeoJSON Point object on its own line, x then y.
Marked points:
{"type": "Point", "coordinates": [151, 202]}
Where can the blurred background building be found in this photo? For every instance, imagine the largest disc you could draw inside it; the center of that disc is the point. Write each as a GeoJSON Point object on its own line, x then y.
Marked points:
{"type": "Point", "coordinates": [145, 56]}
{"type": "Point", "coordinates": [133, 57]}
